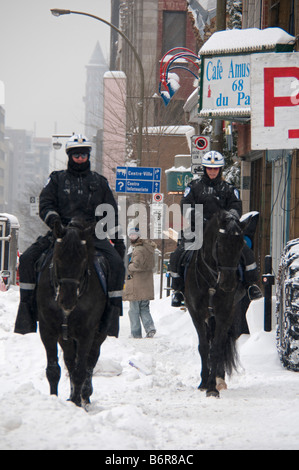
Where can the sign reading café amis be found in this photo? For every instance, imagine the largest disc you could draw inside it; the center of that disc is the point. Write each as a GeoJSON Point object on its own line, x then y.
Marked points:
{"type": "Point", "coordinates": [224, 90]}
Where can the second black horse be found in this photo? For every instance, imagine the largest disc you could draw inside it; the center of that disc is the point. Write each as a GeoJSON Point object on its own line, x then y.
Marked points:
{"type": "Point", "coordinates": [210, 290]}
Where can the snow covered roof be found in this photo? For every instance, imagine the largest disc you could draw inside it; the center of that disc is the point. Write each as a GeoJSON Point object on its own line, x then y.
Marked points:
{"type": "Point", "coordinates": [202, 12]}
{"type": "Point", "coordinates": [191, 101]}
{"type": "Point", "coordinates": [245, 40]}
{"type": "Point", "coordinates": [178, 169]}
{"type": "Point", "coordinates": [178, 60]}
{"type": "Point", "coordinates": [115, 74]}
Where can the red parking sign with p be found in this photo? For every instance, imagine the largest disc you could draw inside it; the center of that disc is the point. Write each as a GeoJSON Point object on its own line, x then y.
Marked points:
{"type": "Point", "coordinates": [275, 101]}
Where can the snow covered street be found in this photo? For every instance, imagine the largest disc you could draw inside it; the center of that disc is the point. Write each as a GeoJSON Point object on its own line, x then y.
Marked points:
{"type": "Point", "coordinates": [154, 407]}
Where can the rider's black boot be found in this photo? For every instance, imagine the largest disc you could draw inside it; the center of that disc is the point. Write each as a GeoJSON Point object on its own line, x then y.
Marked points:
{"type": "Point", "coordinates": [26, 316]}
{"type": "Point", "coordinates": [177, 284]}
{"type": "Point", "coordinates": [254, 292]}
{"type": "Point", "coordinates": [177, 299]}
{"type": "Point", "coordinates": [110, 319]}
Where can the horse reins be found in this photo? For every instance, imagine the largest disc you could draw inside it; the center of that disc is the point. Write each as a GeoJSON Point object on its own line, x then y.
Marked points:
{"type": "Point", "coordinates": [56, 283]}
{"type": "Point", "coordinates": [214, 273]}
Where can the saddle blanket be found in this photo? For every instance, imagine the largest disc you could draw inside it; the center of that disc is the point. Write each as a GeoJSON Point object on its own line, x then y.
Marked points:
{"type": "Point", "coordinates": [101, 268]}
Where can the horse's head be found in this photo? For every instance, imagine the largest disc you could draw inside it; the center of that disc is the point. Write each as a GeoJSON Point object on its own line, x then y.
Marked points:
{"type": "Point", "coordinates": [70, 263]}
{"type": "Point", "coordinates": [228, 247]}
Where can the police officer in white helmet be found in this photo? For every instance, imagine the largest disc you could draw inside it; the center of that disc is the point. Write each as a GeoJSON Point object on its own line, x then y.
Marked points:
{"type": "Point", "coordinates": [73, 193]}
{"type": "Point", "coordinates": [214, 193]}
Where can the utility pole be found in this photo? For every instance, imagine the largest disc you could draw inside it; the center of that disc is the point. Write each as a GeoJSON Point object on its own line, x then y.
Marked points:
{"type": "Point", "coordinates": [217, 132]}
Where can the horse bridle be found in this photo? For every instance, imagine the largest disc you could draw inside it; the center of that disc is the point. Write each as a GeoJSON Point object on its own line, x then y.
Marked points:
{"type": "Point", "coordinates": [82, 283]}
{"type": "Point", "coordinates": [215, 274]}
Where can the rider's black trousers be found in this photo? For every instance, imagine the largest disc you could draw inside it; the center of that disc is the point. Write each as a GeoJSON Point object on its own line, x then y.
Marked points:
{"type": "Point", "coordinates": [247, 262]}
{"type": "Point", "coordinates": [27, 272]}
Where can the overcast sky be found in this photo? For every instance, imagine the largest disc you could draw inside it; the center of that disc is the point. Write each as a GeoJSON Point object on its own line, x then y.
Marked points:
{"type": "Point", "coordinates": [43, 59]}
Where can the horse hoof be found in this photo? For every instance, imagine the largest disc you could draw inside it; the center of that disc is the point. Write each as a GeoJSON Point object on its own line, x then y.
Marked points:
{"type": "Point", "coordinates": [220, 384]}
{"type": "Point", "coordinates": [202, 388]}
{"type": "Point", "coordinates": [85, 405]}
{"type": "Point", "coordinates": [213, 393]}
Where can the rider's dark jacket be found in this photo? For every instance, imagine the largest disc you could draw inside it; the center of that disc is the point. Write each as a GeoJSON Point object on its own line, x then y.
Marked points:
{"type": "Point", "coordinates": [214, 195]}
{"type": "Point", "coordinates": [69, 194]}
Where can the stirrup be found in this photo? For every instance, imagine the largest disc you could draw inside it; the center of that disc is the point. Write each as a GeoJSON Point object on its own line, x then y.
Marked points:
{"type": "Point", "coordinates": [254, 292]}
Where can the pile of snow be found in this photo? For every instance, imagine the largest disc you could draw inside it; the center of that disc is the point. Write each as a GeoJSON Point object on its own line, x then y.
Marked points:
{"type": "Point", "coordinates": [145, 391]}
{"type": "Point", "coordinates": [251, 39]}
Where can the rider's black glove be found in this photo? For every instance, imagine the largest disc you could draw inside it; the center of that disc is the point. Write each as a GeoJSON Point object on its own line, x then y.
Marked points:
{"type": "Point", "coordinates": [52, 219]}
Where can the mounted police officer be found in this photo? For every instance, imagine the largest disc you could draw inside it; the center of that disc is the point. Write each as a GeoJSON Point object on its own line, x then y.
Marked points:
{"type": "Point", "coordinates": [214, 194]}
{"type": "Point", "coordinates": [73, 193]}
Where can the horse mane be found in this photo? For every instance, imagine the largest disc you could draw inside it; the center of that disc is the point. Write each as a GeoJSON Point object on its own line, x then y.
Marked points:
{"type": "Point", "coordinates": [222, 220]}
{"type": "Point", "coordinates": [76, 233]}
{"type": "Point", "coordinates": [71, 241]}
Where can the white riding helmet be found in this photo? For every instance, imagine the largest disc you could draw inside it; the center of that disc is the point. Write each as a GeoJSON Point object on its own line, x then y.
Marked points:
{"type": "Point", "coordinates": [78, 142]}
{"type": "Point", "coordinates": [213, 159]}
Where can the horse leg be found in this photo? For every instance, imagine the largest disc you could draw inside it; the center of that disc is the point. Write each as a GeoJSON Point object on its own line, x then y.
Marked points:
{"type": "Point", "coordinates": [203, 349]}
{"type": "Point", "coordinates": [93, 357]}
{"type": "Point", "coordinates": [220, 384]}
{"type": "Point", "coordinates": [220, 377]}
{"type": "Point", "coordinates": [53, 368]}
{"type": "Point", "coordinates": [217, 362]}
{"type": "Point", "coordinates": [69, 355]}
{"type": "Point", "coordinates": [80, 370]}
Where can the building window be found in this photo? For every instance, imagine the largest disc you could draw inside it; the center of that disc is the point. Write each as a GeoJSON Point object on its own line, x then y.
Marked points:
{"type": "Point", "coordinates": [174, 30]}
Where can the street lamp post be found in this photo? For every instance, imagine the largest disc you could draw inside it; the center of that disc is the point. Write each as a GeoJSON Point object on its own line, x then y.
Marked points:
{"type": "Point", "coordinates": [59, 12]}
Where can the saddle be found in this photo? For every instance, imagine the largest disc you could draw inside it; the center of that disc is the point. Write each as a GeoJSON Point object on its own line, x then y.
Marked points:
{"type": "Point", "coordinates": [184, 262]}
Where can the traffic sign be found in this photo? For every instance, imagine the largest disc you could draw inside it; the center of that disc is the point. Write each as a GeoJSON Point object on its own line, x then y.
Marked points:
{"type": "Point", "coordinates": [34, 206]}
{"type": "Point", "coordinates": [200, 144]}
{"type": "Point", "coordinates": [157, 214]}
{"type": "Point", "coordinates": [143, 180]}
{"type": "Point", "coordinates": [158, 198]}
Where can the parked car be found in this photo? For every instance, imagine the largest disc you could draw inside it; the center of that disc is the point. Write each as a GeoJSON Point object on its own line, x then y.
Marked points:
{"type": "Point", "coordinates": [287, 307]}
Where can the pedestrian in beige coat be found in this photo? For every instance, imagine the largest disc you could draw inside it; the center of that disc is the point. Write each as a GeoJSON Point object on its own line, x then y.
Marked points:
{"type": "Point", "coordinates": [139, 287]}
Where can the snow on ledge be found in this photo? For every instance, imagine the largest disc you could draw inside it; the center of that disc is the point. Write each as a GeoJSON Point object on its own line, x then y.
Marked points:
{"type": "Point", "coordinates": [245, 40]}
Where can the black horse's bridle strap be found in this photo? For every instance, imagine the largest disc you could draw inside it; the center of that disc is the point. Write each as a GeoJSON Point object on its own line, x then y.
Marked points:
{"type": "Point", "coordinates": [56, 281]}
{"type": "Point", "coordinates": [215, 273]}
{"type": "Point", "coordinates": [66, 279]}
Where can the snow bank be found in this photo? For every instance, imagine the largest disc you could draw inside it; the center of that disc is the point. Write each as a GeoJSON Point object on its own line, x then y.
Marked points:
{"type": "Point", "coordinates": [155, 406]}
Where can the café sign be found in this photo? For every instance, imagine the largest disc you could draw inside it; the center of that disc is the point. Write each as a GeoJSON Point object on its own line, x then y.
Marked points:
{"type": "Point", "coordinates": [225, 86]}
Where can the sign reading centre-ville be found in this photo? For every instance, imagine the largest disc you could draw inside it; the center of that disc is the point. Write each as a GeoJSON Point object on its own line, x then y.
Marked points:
{"type": "Point", "coordinates": [138, 179]}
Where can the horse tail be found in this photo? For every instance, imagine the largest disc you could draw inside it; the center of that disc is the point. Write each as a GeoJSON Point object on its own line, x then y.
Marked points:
{"type": "Point", "coordinates": [231, 357]}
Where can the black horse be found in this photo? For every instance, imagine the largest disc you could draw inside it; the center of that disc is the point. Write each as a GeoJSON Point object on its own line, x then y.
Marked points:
{"type": "Point", "coordinates": [210, 290]}
{"type": "Point", "coordinates": [72, 310]}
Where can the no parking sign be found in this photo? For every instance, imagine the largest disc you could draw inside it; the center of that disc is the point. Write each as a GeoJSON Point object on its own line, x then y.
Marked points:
{"type": "Point", "coordinates": [200, 144]}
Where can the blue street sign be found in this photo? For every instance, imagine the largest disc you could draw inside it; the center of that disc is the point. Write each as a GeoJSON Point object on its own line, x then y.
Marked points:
{"type": "Point", "coordinates": [138, 179]}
